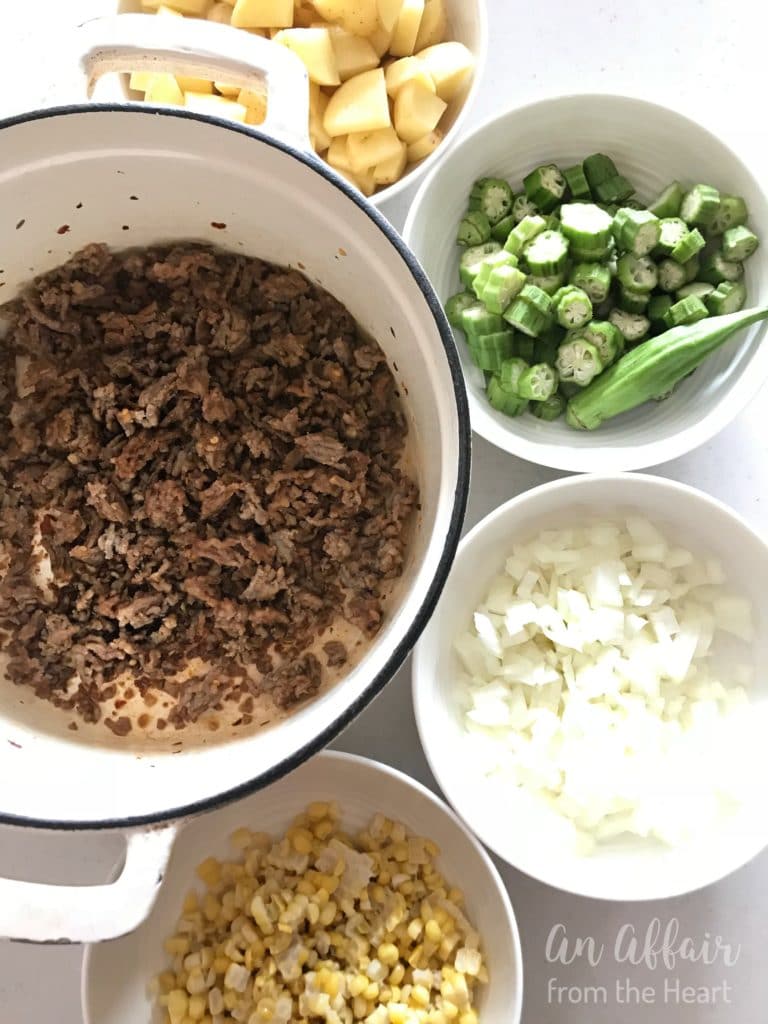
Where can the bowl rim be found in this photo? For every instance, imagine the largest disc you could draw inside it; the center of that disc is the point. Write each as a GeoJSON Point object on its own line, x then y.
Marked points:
{"type": "Point", "coordinates": [396, 778]}
{"type": "Point", "coordinates": [444, 344]}
{"type": "Point", "coordinates": [422, 667]}
{"type": "Point", "coordinates": [603, 459]}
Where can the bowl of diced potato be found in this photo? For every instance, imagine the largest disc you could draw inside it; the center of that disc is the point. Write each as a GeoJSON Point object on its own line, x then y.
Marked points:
{"type": "Point", "coordinates": [390, 81]}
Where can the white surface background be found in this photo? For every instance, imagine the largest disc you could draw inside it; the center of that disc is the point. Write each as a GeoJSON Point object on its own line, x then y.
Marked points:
{"type": "Point", "coordinates": [708, 59]}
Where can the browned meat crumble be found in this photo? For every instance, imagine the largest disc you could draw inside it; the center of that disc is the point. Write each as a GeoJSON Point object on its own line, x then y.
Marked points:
{"type": "Point", "coordinates": [209, 453]}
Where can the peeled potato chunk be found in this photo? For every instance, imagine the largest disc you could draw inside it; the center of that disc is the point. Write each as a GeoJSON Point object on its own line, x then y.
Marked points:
{"type": "Point", "coordinates": [417, 111]}
{"type": "Point", "coordinates": [450, 65]}
{"type": "Point", "coordinates": [313, 46]}
{"type": "Point", "coordinates": [406, 28]}
{"type": "Point", "coordinates": [353, 53]}
{"type": "Point", "coordinates": [252, 98]}
{"type": "Point", "coordinates": [359, 105]}
{"type": "Point", "coordinates": [189, 84]}
{"type": "Point", "coordinates": [217, 106]}
{"type": "Point", "coordinates": [221, 13]}
{"type": "Point", "coordinates": [433, 25]}
{"type": "Point", "coordinates": [164, 88]}
{"type": "Point", "coordinates": [425, 146]}
{"type": "Point", "coordinates": [140, 80]}
{"type": "Point", "coordinates": [318, 102]}
{"type": "Point", "coordinates": [363, 182]}
{"type": "Point", "coordinates": [380, 40]}
{"type": "Point", "coordinates": [407, 69]}
{"type": "Point", "coordinates": [338, 155]}
{"type": "Point", "coordinates": [356, 16]}
{"type": "Point", "coordinates": [388, 12]}
{"type": "Point", "coordinates": [263, 14]}
{"type": "Point", "coordinates": [367, 149]}
{"type": "Point", "coordinates": [256, 114]}
{"type": "Point", "coordinates": [391, 170]}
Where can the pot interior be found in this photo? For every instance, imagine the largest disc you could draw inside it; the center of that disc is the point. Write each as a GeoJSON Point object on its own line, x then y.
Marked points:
{"type": "Point", "coordinates": [133, 177]}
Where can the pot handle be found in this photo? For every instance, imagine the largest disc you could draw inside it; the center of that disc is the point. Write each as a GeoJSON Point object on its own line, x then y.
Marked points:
{"type": "Point", "coordinates": [202, 49]}
{"type": "Point", "coordinates": [38, 912]}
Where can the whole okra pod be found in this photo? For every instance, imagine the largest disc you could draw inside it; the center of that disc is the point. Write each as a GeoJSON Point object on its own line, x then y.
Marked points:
{"type": "Point", "coordinates": [654, 367]}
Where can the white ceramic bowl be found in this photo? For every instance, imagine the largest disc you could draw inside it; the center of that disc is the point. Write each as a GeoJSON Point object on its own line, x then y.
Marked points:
{"type": "Point", "coordinates": [467, 24]}
{"type": "Point", "coordinates": [115, 974]}
{"type": "Point", "coordinates": [652, 146]}
{"type": "Point", "coordinates": [506, 819]}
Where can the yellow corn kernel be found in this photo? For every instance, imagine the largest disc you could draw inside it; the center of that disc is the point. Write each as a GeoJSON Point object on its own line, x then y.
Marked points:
{"type": "Point", "coordinates": [436, 1017]}
{"type": "Point", "coordinates": [321, 897]}
{"type": "Point", "coordinates": [301, 840]}
{"type": "Point", "coordinates": [419, 995]}
{"type": "Point", "coordinates": [177, 945]}
{"type": "Point", "coordinates": [241, 838]}
{"type": "Point", "coordinates": [416, 956]}
{"type": "Point", "coordinates": [433, 931]}
{"type": "Point", "coordinates": [398, 1014]}
{"type": "Point", "coordinates": [328, 914]}
{"type": "Point", "coordinates": [358, 985]}
{"type": "Point", "coordinates": [305, 887]}
{"type": "Point", "coordinates": [398, 832]}
{"type": "Point", "coordinates": [359, 1008]}
{"type": "Point", "coordinates": [195, 982]}
{"type": "Point", "coordinates": [388, 954]}
{"type": "Point", "coordinates": [220, 964]}
{"type": "Point", "coordinates": [432, 848]}
{"type": "Point", "coordinates": [166, 981]}
{"type": "Point", "coordinates": [372, 992]}
{"type": "Point", "coordinates": [323, 829]}
{"type": "Point", "coordinates": [318, 810]}
{"type": "Point", "coordinates": [209, 871]}
{"type": "Point", "coordinates": [265, 1009]}
{"type": "Point", "coordinates": [196, 1008]}
{"type": "Point", "coordinates": [191, 902]}
{"type": "Point", "coordinates": [456, 896]}
{"type": "Point", "coordinates": [385, 878]}
{"type": "Point", "coordinates": [415, 928]}
{"type": "Point", "coordinates": [178, 1002]}
{"type": "Point", "coordinates": [396, 975]}
{"type": "Point", "coordinates": [332, 984]}
{"type": "Point", "coordinates": [468, 1017]}
{"type": "Point", "coordinates": [230, 999]}
{"type": "Point", "coordinates": [450, 1010]}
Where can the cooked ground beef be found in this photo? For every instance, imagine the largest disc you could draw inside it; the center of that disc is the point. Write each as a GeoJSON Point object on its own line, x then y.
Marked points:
{"type": "Point", "coordinates": [209, 452]}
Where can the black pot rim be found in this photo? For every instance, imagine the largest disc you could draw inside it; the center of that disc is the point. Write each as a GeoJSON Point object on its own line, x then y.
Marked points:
{"type": "Point", "coordinates": [453, 533]}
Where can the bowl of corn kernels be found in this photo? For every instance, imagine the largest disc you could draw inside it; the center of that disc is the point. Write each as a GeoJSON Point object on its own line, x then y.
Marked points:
{"type": "Point", "coordinates": [345, 892]}
{"type": "Point", "coordinates": [390, 81]}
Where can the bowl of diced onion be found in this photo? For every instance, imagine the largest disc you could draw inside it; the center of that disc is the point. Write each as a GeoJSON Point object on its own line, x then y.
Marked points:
{"type": "Point", "coordinates": [591, 694]}
{"type": "Point", "coordinates": [241, 928]}
{"type": "Point", "coordinates": [391, 81]}
{"type": "Point", "coordinates": [647, 147]}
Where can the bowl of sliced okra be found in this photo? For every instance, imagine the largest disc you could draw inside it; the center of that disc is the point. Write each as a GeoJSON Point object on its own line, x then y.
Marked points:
{"type": "Point", "coordinates": [599, 260]}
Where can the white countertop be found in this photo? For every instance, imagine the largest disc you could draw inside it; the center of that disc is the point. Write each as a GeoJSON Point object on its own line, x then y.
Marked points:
{"type": "Point", "coordinates": [707, 58]}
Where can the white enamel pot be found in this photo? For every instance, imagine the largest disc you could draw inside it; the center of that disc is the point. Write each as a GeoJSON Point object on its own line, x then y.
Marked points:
{"type": "Point", "coordinates": [127, 175]}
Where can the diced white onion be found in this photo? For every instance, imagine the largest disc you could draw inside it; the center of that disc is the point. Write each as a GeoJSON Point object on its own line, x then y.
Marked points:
{"type": "Point", "coordinates": [591, 682]}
